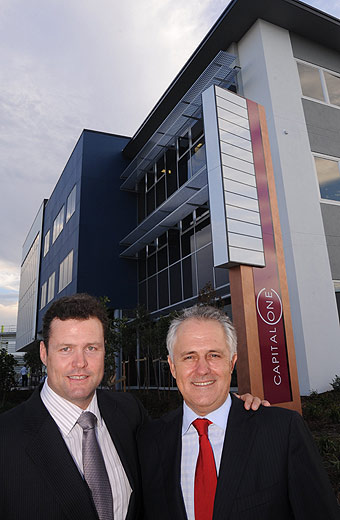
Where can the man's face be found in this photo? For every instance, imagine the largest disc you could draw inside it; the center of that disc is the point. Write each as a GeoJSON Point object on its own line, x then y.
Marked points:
{"type": "Point", "coordinates": [202, 365]}
{"type": "Point", "coordinates": [75, 359]}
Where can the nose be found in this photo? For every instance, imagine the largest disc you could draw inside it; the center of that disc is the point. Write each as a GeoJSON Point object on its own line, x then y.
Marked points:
{"type": "Point", "coordinates": [79, 359]}
{"type": "Point", "coordinates": [202, 366]}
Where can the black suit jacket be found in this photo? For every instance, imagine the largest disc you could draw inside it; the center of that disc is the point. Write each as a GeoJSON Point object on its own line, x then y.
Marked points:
{"type": "Point", "coordinates": [270, 469]}
{"type": "Point", "coordinates": [38, 477]}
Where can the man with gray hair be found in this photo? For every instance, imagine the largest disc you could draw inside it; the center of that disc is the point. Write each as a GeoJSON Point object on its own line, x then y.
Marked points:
{"type": "Point", "coordinates": [212, 459]}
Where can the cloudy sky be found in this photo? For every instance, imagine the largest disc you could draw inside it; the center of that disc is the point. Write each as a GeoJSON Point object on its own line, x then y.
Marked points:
{"type": "Point", "coordinates": [73, 64]}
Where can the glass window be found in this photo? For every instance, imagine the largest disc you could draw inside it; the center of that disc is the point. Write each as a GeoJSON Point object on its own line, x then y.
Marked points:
{"type": "Point", "coordinates": [203, 233]}
{"type": "Point", "coordinates": [197, 131]}
{"type": "Point", "coordinates": [197, 157]}
{"type": "Point", "coordinates": [141, 200]}
{"type": "Point", "coordinates": [310, 81]}
{"type": "Point", "coordinates": [175, 283]}
{"type": "Point", "coordinates": [221, 276]}
{"type": "Point", "coordinates": [51, 284]}
{"type": "Point", "coordinates": [171, 172]}
{"type": "Point", "coordinates": [150, 178]}
{"type": "Point", "coordinates": [162, 257]}
{"type": "Point", "coordinates": [160, 191]}
{"type": "Point", "coordinates": [162, 240]}
{"type": "Point", "coordinates": [65, 271]}
{"type": "Point", "coordinates": [333, 87]}
{"type": "Point", "coordinates": [204, 266]}
{"type": "Point", "coordinates": [142, 264]}
{"type": "Point", "coordinates": [174, 245]}
{"type": "Point", "coordinates": [43, 295]}
{"type": "Point", "coordinates": [58, 224]}
{"type": "Point", "coordinates": [151, 264]}
{"type": "Point", "coordinates": [47, 243]}
{"type": "Point", "coordinates": [184, 169]}
{"type": "Point", "coordinates": [187, 222]}
{"type": "Point", "coordinates": [202, 211]}
{"type": "Point", "coordinates": [142, 294]}
{"type": "Point", "coordinates": [160, 167]}
{"type": "Point", "coordinates": [163, 289]}
{"type": "Point", "coordinates": [188, 242]}
{"type": "Point", "coordinates": [150, 200]}
{"type": "Point", "coordinates": [328, 172]}
{"type": "Point", "coordinates": [151, 248]}
{"type": "Point", "coordinates": [189, 277]}
{"type": "Point", "coordinates": [183, 144]}
{"type": "Point", "coordinates": [71, 203]}
{"type": "Point", "coordinates": [152, 293]}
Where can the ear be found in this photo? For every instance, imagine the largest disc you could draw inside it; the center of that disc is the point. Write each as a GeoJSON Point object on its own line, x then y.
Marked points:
{"type": "Point", "coordinates": [43, 353]}
{"type": "Point", "coordinates": [232, 363]}
{"type": "Point", "coordinates": [172, 367]}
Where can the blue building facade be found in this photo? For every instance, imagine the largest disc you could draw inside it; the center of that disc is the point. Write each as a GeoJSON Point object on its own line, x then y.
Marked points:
{"type": "Point", "coordinates": [82, 227]}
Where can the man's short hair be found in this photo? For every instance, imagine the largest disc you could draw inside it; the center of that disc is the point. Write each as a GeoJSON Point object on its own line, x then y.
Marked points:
{"type": "Point", "coordinates": [80, 306]}
{"type": "Point", "coordinates": [203, 312]}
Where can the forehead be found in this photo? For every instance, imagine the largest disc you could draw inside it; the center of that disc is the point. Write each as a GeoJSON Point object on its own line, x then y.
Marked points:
{"type": "Point", "coordinates": [73, 328]}
{"type": "Point", "coordinates": [200, 332]}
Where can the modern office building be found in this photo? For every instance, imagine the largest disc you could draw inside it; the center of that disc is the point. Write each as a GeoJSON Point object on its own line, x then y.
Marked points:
{"type": "Point", "coordinates": [71, 247]}
{"type": "Point", "coordinates": [158, 201]}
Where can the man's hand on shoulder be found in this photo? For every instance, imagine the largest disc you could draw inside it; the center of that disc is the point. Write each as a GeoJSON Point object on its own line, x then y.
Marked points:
{"type": "Point", "coordinates": [251, 402]}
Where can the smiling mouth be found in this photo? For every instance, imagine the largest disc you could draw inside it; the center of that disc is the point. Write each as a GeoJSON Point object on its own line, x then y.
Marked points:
{"type": "Point", "coordinates": [78, 378]}
{"type": "Point", "coordinates": [203, 383]}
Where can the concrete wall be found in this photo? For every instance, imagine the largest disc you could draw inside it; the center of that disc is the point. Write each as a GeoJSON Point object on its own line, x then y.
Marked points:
{"type": "Point", "coordinates": [323, 127]}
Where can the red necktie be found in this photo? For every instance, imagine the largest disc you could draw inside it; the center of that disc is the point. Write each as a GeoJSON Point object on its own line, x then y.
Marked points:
{"type": "Point", "coordinates": [205, 475]}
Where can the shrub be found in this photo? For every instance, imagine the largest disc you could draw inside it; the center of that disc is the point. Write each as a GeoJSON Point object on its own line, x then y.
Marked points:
{"type": "Point", "coordinates": [336, 383]}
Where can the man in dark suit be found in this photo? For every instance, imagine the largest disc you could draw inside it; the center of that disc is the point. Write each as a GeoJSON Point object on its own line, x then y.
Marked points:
{"type": "Point", "coordinates": [249, 465]}
{"type": "Point", "coordinates": [41, 442]}
{"type": "Point", "coordinates": [41, 458]}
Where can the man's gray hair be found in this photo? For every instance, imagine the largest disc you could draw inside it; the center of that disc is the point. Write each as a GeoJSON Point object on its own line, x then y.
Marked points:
{"type": "Point", "coordinates": [203, 312]}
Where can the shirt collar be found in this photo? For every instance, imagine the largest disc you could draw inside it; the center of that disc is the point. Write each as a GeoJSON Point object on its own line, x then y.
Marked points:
{"type": "Point", "coordinates": [65, 413]}
{"type": "Point", "coordinates": [218, 417]}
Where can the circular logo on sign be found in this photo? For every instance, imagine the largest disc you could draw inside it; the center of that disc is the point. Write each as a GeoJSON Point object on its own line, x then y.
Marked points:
{"type": "Point", "coordinates": [269, 306]}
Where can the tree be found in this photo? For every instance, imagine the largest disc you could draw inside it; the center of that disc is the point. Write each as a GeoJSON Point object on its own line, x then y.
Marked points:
{"type": "Point", "coordinates": [33, 361]}
{"type": "Point", "coordinates": [7, 373]}
{"type": "Point", "coordinates": [207, 296]}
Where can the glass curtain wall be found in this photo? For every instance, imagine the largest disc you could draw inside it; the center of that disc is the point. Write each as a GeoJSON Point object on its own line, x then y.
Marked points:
{"type": "Point", "coordinates": [183, 159]}
{"type": "Point", "coordinates": [177, 265]}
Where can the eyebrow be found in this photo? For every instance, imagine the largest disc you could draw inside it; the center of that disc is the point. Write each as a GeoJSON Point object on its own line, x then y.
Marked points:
{"type": "Point", "coordinates": [75, 344]}
{"type": "Point", "coordinates": [186, 353]}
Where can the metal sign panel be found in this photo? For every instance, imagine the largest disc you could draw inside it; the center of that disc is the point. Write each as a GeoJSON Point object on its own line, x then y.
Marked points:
{"type": "Point", "coordinates": [234, 208]}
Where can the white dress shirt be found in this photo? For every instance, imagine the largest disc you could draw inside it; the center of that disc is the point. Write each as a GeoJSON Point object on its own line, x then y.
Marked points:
{"type": "Point", "coordinates": [66, 414]}
{"type": "Point", "coordinates": [190, 448]}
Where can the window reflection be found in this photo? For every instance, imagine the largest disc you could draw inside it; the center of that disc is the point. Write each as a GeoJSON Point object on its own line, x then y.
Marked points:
{"type": "Point", "coordinates": [175, 283]}
{"type": "Point", "coordinates": [189, 277]}
{"type": "Point", "coordinates": [197, 157]}
{"type": "Point", "coordinates": [205, 267]}
{"type": "Point", "coordinates": [333, 87]}
{"type": "Point", "coordinates": [163, 289]}
{"type": "Point", "coordinates": [328, 172]}
{"type": "Point", "coordinates": [310, 81]}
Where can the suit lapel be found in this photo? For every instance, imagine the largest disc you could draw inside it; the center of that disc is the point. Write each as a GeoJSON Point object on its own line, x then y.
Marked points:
{"type": "Point", "coordinates": [238, 443]}
{"type": "Point", "coordinates": [47, 449]}
{"type": "Point", "coordinates": [170, 448]}
{"type": "Point", "coordinates": [120, 433]}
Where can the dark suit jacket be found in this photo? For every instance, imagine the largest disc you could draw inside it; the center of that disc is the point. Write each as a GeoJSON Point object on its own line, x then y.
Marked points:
{"type": "Point", "coordinates": [38, 477]}
{"type": "Point", "coordinates": [270, 469]}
